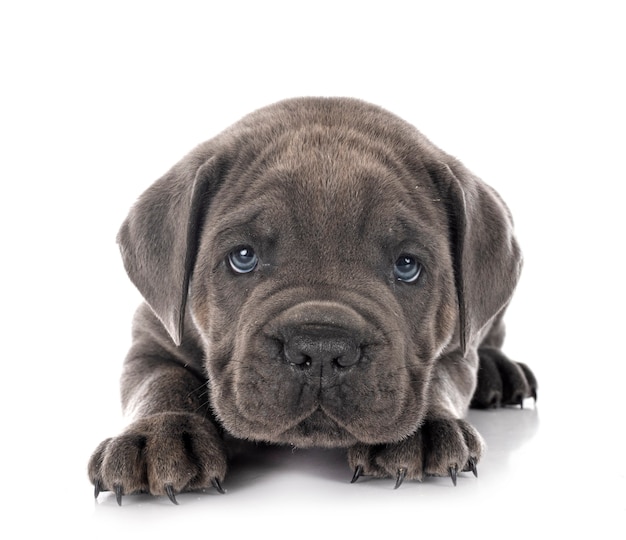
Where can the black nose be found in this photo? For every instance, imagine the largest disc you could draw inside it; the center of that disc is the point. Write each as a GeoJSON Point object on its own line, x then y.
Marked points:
{"type": "Point", "coordinates": [319, 349]}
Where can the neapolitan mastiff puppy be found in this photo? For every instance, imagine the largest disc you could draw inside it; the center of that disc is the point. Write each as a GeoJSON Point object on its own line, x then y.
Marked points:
{"type": "Point", "coordinates": [319, 274]}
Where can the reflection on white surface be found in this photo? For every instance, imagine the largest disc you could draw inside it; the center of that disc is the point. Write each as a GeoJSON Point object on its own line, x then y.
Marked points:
{"type": "Point", "coordinates": [526, 483]}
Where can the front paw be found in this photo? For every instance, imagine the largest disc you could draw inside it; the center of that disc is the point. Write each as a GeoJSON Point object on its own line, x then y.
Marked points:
{"type": "Point", "coordinates": [441, 447]}
{"type": "Point", "coordinates": [502, 381]}
{"type": "Point", "coordinates": [162, 454]}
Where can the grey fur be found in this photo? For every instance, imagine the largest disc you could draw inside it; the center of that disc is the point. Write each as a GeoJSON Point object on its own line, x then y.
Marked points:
{"type": "Point", "coordinates": [319, 345]}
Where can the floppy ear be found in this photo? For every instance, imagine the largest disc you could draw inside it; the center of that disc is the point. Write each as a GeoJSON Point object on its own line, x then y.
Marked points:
{"type": "Point", "coordinates": [159, 238]}
{"type": "Point", "coordinates": [486, 257]}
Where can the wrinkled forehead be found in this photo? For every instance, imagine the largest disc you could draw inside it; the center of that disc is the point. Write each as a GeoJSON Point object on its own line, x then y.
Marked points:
{"type": "Point", "coordinates": [326, 186]}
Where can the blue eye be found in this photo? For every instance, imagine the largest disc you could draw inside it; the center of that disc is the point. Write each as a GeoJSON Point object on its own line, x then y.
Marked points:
{"type": "Point", "coordinates": [243, 259]}
{"type": "Point", "coordinates": [407, 268]}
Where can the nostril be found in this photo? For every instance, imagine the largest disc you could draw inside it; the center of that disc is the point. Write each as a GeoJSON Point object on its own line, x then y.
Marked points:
{"type": "Point", "coordinates": [296, 357]}
{"type": "Point", "coordinates": [305, 350]}
{"type": "Point", "coordinates": [303, 361]}
{"type": "Point", "coordinates": [350, 358]}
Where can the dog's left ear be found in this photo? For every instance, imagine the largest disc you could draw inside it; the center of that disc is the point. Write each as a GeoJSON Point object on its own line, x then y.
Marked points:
{"type": "Point", "coordinates": [486, 257]}
{"type": "Point", "coordinates": [159, 238]}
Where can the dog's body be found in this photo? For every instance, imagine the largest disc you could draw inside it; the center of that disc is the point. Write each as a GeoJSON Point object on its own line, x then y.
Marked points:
{"type": "Point", "coordinates": [319, 274]}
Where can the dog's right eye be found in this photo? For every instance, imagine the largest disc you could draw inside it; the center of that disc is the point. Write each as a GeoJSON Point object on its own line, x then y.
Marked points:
{"type": "Point", "coordinates": [243, 259]}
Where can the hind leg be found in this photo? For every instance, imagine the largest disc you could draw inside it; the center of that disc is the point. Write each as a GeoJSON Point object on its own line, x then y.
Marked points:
{"type": "Point", "coordinates": [501, 381]}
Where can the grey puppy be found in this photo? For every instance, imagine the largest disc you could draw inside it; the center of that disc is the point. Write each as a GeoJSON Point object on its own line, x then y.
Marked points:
{"type": "Point", "coordinates": [319, 274]}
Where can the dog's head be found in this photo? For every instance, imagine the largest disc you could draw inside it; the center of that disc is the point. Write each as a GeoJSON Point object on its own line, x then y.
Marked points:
{"type": "Point", "coordinates": [328, 254]}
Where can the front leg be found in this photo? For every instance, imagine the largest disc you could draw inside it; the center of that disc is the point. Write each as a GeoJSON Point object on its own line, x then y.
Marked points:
{"type": "Point", "coordinates": [161, 454]}
{"type": "Point", "coordinates": [443, 445]}
{"type": "Point", "coordinates": [172, 444]}
{"type": "Point", "coordinates": [440, 447]}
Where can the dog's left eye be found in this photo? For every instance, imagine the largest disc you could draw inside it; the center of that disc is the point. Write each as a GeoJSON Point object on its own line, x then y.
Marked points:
{"type": "Point", "coordinates": [407, 268]}
{"type": "Point", "coordinates": [243, 259]}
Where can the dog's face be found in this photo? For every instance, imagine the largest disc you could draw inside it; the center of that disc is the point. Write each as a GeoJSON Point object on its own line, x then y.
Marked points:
{"type": "Point", "coordinates": [330, 254]}
{"type": "Point", "coordinates": [324, 287]}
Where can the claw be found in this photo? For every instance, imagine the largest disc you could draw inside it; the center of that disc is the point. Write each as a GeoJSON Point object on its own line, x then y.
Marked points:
{"type": "Point", "coordinates": [216, 484]}
{"type": "Point", "coordinates": [96, 488]}
{"type": "Point", "coordinates": [453, 471]}
{"type": "Point", "coordinates": [118, 494]}
{"type": "Point", "coordinates": [169, 490]}
{"type": "Point", "coordinates": [358, 471]}
{"type": "Point", "coordinates": [472, 466]}
{"type": "Point", "coordinates": [534, 395]}
{"type": "Point", "coordinates": [400, 477]}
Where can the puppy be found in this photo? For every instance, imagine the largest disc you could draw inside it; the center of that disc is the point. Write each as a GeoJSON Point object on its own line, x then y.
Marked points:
{"type": "Point", "coordinates": [319, 274]}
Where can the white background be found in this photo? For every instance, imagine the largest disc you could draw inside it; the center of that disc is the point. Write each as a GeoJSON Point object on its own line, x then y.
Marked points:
{"type": "Point", "coordinates": [98, 99]}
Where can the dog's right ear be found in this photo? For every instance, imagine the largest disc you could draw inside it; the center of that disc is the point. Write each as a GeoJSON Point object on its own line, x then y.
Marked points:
{"type": "Point", "coordinates": [159, 238]}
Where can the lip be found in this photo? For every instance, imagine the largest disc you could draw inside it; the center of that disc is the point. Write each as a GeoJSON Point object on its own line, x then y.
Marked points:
{"type": "Point", "coordinates": [319, 430]}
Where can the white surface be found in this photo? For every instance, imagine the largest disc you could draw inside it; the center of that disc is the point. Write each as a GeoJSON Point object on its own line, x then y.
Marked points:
{"type": "Point", "coordinates": [98, 100]}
